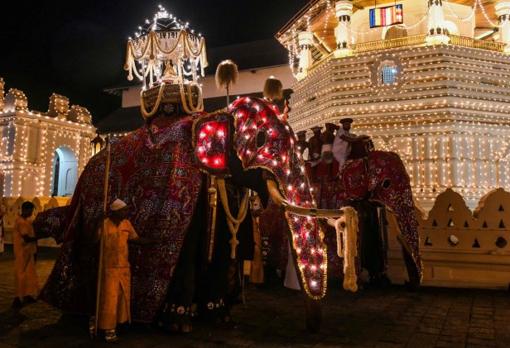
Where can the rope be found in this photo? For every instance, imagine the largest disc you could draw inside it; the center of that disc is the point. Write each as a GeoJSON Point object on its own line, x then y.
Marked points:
{"type": "Point", "coordinates": [473, 10]}
{"type": "Point", "coordinates": [213, 204]}
{"type": "Point", "coordinates": [416, 24]}
{"type": "Point", "coordinates": [145, 113]}
{"type": "Point", "coordinates": [479, 3]}
{"type": "Point", "coordinates": [233, 223]}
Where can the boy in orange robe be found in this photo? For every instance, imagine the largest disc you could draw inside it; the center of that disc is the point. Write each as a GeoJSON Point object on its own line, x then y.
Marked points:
{"type": "Point", "coordinates": [25, 247]}
{"type": "Point", "coordinates": [115, 301]}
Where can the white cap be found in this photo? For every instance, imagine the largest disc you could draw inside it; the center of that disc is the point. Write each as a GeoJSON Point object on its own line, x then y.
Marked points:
{"type": "Point", "coordinates": [117, 205]}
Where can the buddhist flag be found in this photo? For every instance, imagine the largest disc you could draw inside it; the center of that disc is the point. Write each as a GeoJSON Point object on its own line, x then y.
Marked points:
{"type": "Point", "coordinates": [385, 16]}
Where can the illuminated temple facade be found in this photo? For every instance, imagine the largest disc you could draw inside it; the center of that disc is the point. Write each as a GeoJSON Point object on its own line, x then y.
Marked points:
{"type": "Point", "coordinates": [434, 88]}
{"type": "Point", "coordinates": [42, 153]}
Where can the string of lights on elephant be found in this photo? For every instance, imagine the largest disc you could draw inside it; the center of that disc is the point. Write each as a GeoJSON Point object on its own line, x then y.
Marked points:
{"type": "Point", "coordinates": [264, 141]}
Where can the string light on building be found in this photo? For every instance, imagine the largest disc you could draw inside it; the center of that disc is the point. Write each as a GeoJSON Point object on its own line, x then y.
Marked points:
{"type": "Point", "coordinates": [32, 140]}
{"type": "Point", "coordinates": [444, 110]}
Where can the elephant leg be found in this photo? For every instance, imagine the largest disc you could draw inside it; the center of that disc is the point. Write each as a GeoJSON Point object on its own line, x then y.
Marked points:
{"type": "Point", "coordinates": [412, 272]}
{"type": "Point", "coordinates": [372, 253]}
{"type": "Point", "coordinates": [313, 317]}
{"type": "Point", "coordinates": [313, 308]}
{"type": "Point", "coordinates": [177, 312]}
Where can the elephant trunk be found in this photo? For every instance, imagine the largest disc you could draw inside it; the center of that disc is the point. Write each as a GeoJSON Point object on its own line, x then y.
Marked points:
{"type": "Point", "coordinates": [278, 198]}
{"type": "Point", "coordinates": [344, 220]}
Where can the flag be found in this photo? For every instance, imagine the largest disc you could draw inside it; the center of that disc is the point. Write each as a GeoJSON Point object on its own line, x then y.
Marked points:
{"type": "Point", "coordinates": [386, 16]}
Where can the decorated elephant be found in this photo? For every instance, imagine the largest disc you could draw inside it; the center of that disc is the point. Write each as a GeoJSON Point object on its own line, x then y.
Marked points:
{"type": "Point", "coordinates": [168, 171]}
{"type": "Point", "coordinates": [372, 182]}
{"type": "Point", "coordinates": [185, 176]}
{"type": "Point", "coordinates": [381, 178]}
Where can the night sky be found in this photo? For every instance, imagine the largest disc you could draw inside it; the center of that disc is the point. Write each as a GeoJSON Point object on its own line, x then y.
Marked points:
{"type": "Point", "coordinates": [76, 48]}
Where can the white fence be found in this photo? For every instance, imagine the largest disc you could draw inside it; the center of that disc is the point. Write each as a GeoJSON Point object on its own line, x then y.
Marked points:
{"type": "Point", "coordinates": [460, 248]}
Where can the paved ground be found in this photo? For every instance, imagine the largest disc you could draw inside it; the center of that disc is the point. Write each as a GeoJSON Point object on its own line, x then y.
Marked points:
{"type": "Point", "coordinates": [274, 318]}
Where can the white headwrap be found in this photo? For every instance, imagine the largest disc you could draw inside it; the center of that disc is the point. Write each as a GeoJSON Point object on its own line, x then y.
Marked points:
{"type": "Point", "coordinates": [117, 205]}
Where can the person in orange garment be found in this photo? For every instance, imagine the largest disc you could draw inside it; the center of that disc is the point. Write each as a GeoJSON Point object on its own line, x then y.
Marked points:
{"type": "Point", "coordinates": [115, 299]}
{"type": "Point", "coordinates": [25, 248]}
{"type": "Point", "coordinates": [2, 235]}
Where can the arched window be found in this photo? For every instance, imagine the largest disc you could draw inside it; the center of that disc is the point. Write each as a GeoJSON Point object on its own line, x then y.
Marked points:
{"type": "Point", "coordinates": [389, 73]}
{"type": "Point", "coordinates": [65, 172]}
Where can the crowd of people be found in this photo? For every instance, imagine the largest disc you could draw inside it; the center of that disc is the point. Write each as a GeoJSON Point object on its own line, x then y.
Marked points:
{"type": "Point", "coordinates": [335, 145]}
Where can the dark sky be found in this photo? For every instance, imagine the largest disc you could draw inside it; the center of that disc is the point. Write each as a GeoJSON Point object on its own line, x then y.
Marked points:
{"type": "Point", "coordinates": [76, 48]}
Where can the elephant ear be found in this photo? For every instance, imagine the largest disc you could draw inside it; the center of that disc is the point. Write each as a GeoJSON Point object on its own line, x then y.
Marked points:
{"type": "Point", "coordinates": [211, 141]}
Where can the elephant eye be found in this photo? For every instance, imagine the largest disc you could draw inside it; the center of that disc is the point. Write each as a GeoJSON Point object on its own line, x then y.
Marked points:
{"type": "Point", "coordinates": [261, 138]}
{"type": "Point", "coordinates": [386, 183]}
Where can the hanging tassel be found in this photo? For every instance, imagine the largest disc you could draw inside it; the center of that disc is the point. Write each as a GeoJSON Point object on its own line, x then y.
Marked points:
{"type": "Point", "coordinates": [226, 76]}
{"type": "Point", "coordinates": [273, 89]}
{"type": "Point", "coordinates": [346, 229]}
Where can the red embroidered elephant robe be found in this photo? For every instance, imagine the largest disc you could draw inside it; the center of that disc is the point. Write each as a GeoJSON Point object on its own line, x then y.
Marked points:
{"type": "Point", "coordinates": [161, 183]}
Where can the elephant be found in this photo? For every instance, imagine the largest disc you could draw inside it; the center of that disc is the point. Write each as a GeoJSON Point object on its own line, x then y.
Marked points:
{"type": "Point", "coordinates": [372, 184]}
{"type": "Point", "coordinates": [381, 177]}
{"type": "Point", "coordinates": [167, 171]}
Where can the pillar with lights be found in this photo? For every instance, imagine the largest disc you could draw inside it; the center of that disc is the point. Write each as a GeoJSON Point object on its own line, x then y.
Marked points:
{"type": "Point", "coordinates": [437, 31]}
{"type": "Point", "coordinates": [503, 12]}
{"type": "Point", "coordinates": [343, 30]}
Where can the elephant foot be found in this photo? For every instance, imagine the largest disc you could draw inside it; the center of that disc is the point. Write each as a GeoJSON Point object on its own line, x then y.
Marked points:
{"type": "Point", "coordinates": [222, 318]}
{"type": "Point", "coordinates": [412, 271]}
{"type": "Point", "coordinates": [313, 315]}
{"type": "Point", "coordinates": [186, 328]}
{"type": "Point", "coordinates": [177, 320]}
{"type": "Point", "coordinates": [378, 281]}
{"type": "Point", "coordinates": [217, 313]}
{"type": "Point", "coordinates": [412, 286]}
{"type": "Point", "coordinates": [182, 326]}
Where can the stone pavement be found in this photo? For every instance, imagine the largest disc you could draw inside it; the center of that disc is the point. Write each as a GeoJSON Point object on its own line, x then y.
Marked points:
{"type": "Point", "coordinates": [273, 317]}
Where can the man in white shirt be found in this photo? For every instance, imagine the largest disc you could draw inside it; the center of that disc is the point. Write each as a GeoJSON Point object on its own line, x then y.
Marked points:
{"type": "Point", "coordinates": [343, 140]}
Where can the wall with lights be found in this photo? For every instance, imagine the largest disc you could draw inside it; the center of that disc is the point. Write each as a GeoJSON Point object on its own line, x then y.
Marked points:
{"type": "Point", "coordinates": [30, 140]}
{"type": "Point", "coordinates": [447, 114]}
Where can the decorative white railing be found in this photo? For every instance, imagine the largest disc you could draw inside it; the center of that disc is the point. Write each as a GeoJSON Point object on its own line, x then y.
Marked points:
{"type": "Point", "coordinates": [460, 248]}
{"type": "Point", "coordinates": [415, 41]}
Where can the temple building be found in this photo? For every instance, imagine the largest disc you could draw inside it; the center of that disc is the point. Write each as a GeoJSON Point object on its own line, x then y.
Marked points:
{"type": "Point", "coordinates": [42, 153]}
{"type": "Point", "coordinates": [429, 80]}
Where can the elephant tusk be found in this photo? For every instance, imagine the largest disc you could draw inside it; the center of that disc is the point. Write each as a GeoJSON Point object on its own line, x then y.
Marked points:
{"type": "Point", "coordinates": [277, 197]}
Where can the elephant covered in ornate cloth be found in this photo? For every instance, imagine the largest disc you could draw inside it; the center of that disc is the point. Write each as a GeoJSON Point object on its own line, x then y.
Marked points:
{"type": "Point", "coordinates": [166, 171]}
{"type": "Point", "coordinates": [381, 177]}
{"type": "Point", "coordinates": [376, 179]}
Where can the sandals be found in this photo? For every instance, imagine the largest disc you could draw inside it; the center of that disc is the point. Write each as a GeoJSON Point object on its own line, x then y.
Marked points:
{"type": "Point", "coordinates": [92, 327]}
{"type": "Point", "coordinates": [110, 336]}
